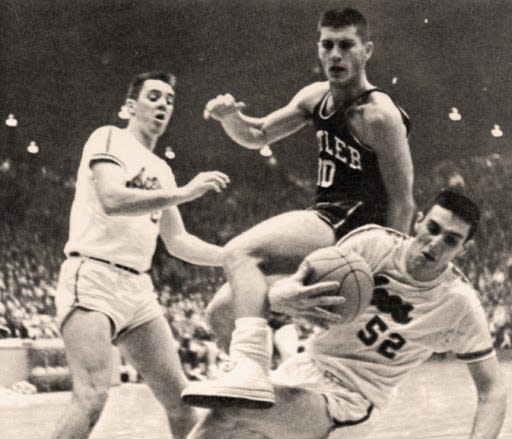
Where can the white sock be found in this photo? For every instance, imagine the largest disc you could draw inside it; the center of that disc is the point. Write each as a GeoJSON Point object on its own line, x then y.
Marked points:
{"type": "Point", "coordinates": [252, 338]}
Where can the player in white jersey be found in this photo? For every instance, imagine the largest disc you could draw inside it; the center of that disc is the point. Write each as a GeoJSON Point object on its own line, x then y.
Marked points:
{"type": "Point", "coordinates": [125, 197]}
{"type": "Point", "coordinates": [421, 304]}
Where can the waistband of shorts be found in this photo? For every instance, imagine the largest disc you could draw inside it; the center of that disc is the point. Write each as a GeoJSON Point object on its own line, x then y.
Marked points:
{"type": "Point", "coordinates": [105, 261]}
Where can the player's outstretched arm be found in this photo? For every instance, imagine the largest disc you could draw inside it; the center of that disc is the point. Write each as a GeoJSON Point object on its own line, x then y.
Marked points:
{"type": "Point", "coordinates": [290, 296]}
{"type": "Point", "coordinates": [492, 399]}
{"type": "Point", "coordinates": [185, 246]}
{"type": "Point", "coordinates": [117, 199]}
{"type": "Point", "coordinates": [252, 132]}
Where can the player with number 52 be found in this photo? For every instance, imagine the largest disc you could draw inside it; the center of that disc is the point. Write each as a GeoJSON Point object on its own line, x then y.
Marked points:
{"type": "Point", "coordinates": [420, 304]}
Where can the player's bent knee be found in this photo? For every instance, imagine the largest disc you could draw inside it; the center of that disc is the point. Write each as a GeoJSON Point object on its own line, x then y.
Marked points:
{"type": "Point", "coordinates": [92, 401]}
{"type": "Point", "coordinates": [238, 252]}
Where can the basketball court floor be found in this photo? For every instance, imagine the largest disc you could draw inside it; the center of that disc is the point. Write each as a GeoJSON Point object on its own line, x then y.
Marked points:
{"type": "Point", "coordinates": [436, 401]}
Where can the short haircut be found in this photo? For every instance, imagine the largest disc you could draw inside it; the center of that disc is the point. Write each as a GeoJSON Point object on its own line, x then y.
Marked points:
{"type": "Point", "coordinates": [343, 17]}
{"type": "Point", "coordinates": [461, 206]}
{"type": "Point", "coordinates": [138, 82]}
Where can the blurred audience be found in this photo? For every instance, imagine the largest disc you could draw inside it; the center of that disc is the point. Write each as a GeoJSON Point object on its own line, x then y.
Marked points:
{"type": "Point", "coordinates": [35, 202]}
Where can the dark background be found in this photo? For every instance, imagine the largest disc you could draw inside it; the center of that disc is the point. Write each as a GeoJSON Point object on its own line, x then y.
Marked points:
{"type": "Point", "coordinates": [65, 66]}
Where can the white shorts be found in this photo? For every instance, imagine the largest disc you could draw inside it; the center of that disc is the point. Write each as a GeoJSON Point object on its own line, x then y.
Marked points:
{"type": "Point", "coordinates": [347, 408]}
{"type": "Point", "coordinates": [127, 299]}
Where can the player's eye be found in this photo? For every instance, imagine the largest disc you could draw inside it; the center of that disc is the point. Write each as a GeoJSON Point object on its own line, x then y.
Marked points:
{"type": "Point", "coordinates": [346, 45]}
{"type": "Point", "coordinates": [451, 241]}
{"type": "Point", "coordinates": [327, 44]}
{"type": "Point", "coordinates": [169, 99]}
{"type": "Point", "coordinates": [154, 95]}
{"type": "Point", "coordinates": [433, 228]}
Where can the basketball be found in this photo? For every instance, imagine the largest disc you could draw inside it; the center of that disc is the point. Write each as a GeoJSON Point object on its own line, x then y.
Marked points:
{"type": "Point", "coordinates": [351, 271]}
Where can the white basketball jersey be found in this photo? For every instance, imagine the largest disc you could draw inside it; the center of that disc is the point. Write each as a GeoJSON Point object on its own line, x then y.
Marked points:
{"type": "Point", "coordinates": [405, 323]}
{"type": "Point", "coordinates": [126, 240]}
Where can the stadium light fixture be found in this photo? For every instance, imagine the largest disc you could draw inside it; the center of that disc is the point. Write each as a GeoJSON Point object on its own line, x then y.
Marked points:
{"type": "Point", "coordinates": [32, 148]}
{"type": "Point", "coordinates": [272, 161]}
{"type": "Point", "coordinates": [266, 151]}
{"type": "Point", "coordinates": [169, 153]}
{"type": "Point", "coordinates": [496, 131]}
{"type": "Point", "coordinates": [454, 114]}
{"type": "Point", "coordinates": [11, 121]}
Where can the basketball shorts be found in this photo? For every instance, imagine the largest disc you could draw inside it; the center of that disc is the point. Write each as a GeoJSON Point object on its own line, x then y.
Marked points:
{"type": "Point", "coordinates": [127, 299]}
{"type": "Point", "coordinates": [349, 410]}
{"type": "Point", "coordinates": [345, 217]}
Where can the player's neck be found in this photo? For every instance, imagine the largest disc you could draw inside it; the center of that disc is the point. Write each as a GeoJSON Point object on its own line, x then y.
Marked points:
{"type": "Point", "coordinates": [146, 139]}
{"type": "Point", "coordinates": [343, 93]}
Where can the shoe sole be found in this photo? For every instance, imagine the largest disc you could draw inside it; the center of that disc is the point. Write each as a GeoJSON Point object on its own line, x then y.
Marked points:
{"type": "Point", "coordinates": [231, 397]}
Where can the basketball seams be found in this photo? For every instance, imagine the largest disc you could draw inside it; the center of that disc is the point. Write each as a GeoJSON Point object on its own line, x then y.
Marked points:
{"type": "Point", "coordinates": [336, 260]}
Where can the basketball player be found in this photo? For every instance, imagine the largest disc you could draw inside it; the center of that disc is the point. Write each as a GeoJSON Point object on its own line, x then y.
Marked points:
{"type": "Point", "coordinates": [365, 176]}
{"type": "Point", "coordinates": [125, 197]}
{"type": "Point", "coordinates": [421, 304]}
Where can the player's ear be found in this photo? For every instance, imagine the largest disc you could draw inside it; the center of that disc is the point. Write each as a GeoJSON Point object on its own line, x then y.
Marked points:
{"type": "Point", "coordinates": [130, 103]}
{"type": "Point", "coordinates": [369, 49]}
{"type": "Point", "coordinates": [468, 245]}
{"type": "Point", "coordinates": [419, 218]}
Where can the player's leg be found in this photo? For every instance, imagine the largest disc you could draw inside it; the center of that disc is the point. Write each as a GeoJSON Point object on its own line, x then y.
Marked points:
{"type": "Point", "coordinates": [298, 413]}
{"type": "Point", "coordinates": [220, 313]}
{"type": "Point", "coordinates": [152, 350]}
{"type": "Point", "coordinates": [286, 341]}
{"type": "Point", "coordinates": [220, 316]}
{"type": "Point", "coordinates": [277, 245]}
{"type": "Point", "coordinates": [86, 336]}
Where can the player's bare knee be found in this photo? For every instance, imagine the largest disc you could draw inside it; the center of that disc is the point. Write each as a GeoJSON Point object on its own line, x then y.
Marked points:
{"type": "Point", "coordinates": [239, 253]}
{"type": "Point", "coordinates": [92, 401]}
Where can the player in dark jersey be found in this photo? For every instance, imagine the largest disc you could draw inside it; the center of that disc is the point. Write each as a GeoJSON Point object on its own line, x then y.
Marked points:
{"type": "Point", "coordinates": [365, 175]}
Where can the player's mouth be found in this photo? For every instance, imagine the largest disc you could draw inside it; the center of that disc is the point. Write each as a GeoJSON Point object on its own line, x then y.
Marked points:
{"type": "Point", "coordinates": [337, 70]}
{"type": "Point", "coordinates": [160, 117]}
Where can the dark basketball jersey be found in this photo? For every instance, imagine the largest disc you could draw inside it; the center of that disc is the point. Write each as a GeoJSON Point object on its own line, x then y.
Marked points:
{"type": "Point", "coordinates": [348, 170]}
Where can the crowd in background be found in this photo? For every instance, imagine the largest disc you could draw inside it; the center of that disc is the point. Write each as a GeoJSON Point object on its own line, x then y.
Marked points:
{"type": "Point", "coordinates": [33, 229]}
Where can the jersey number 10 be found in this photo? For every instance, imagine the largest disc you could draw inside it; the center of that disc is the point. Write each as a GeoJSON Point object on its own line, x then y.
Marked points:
{"type": "Point", "coordinates": [326, 171]}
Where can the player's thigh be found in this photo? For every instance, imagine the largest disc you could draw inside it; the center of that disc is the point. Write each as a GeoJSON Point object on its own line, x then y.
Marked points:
{"type": "Point", "coordinates": [286, 237]}
{"type": "Point", "coordinates": [298, 413]}
{"type": "Point", "coordinates": [152, 350]}
{"type": "Point", "coordinates": [87, 339]}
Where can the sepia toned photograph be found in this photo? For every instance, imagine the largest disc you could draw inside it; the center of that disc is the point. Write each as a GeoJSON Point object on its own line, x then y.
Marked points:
{"type": "Point", "coordinates": [255, 219]}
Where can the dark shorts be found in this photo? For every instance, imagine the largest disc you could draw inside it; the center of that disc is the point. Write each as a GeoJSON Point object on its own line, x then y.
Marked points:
{"type": "Point", "coordinates": [345, 217]}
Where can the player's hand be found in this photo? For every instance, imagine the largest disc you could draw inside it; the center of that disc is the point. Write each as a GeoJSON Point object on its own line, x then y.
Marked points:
{"type": "Point", "coordinates": [222, 106]}
{"type": "Point", "coordinates": [290, 296]}
{"type": "Point", "coordinates": [205, 182]}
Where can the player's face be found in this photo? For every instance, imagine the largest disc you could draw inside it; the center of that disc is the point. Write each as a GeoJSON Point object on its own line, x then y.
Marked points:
{"type": "Point", "coordinates": [440, 237]}
{"type": "Point", "coordinates": [154, 106]}
{"type": "Point", "coordinates": [343, 54]}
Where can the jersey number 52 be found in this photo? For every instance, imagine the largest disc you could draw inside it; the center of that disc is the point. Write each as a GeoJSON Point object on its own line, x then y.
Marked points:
{"type": "Point", "coordinates": [370, 334]}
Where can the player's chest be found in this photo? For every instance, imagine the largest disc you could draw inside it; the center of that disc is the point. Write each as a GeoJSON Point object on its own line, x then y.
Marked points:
{"type": "Point", "coordinates": [399, 318]}
{"type": "Point", "coordinates": [147, 174]}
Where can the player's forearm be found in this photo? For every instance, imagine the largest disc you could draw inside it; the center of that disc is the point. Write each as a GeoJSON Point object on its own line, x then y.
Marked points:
{"type": "Point", "coordinates": [194, 250]}
{"type": "Point", "coordinates": [400, 213]}
{"type": "Point", "coordinates": [490, 414]}
{"type": "Point", "coordinates": [244, 130]}
{"type": "Point", "coordinates": [133, 201]}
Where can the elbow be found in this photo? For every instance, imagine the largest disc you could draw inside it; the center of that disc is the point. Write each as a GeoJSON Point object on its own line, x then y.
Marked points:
{"type": "Point", "coordinates": [497, 396]}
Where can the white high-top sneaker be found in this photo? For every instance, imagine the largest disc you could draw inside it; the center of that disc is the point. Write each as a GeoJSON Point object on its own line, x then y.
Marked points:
{"type": "Point", "coordinates": [247, 384]}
